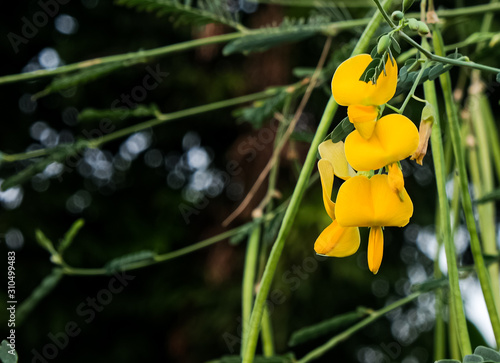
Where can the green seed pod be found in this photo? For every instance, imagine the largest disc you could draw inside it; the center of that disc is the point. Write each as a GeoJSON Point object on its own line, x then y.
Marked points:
{"type": "Point", "coordinates": [397, 15]}
{"type": "Point", "coordinates": [383, 43]}
{"type": "Point", "coordinates": [423, 29]}
{"type": "Point", "coordinates": [413, 24]}
{"type": "Point", "coordinates": [407, 4]}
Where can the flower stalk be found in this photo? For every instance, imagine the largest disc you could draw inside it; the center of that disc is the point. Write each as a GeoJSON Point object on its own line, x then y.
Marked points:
{"type": "Point", "coordinates": [297, 195]}
{"type": "Point", "coordinates": [445, 230]}
{"type": "Point", "coordinates": [477, 253]}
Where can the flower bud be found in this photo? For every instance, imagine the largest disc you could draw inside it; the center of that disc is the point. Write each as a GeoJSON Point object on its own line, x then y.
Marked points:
{"type": "Point", "coordinates": [423, 29]}
{"type": "Point", "coordinates": [383, 43]}
{"type": "Point", "coordinates": [413, 24]}
{"type": "Point", "coordinates": [397, 15]}
{"type": "Point", "coordinates": [424, 132]}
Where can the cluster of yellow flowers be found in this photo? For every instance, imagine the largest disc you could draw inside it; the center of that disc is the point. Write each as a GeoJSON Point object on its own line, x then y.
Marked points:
{"type": "Point", "coordinates": [366, 198]}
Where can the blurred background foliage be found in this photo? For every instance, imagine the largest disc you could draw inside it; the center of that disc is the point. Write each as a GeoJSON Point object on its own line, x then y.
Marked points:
{"type": "Point", "coordinates": [130, 191]}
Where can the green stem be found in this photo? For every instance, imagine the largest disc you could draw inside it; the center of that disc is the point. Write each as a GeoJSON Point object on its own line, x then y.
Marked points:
{"type": "Point", "coordinates": [68, 270]}
{"type": "Point", "coordinates": [470, 10]}
{"type": "Point", "coordinates": [483, 182]}
{"type": "Point", "coordinates": [267, 334]}
{"type": "Point", "coordinates": [284, 231]}
{"type": "Point", "coordinates": [249, 281]}
{"type": "Point", "coordinates": [487, 20]}
{"type": "Point", "coordinates": [162, 51]}
{"type": "Point", "coordinates": [297, 195]}
{"type": "Point", "coordinates": [454, 345]}
{"type": "Point", "coordinates": [318, 352]}
{"type": "Point", "coordinates": [46, 286]}
{"type": "Point", "coordinates": [454, 130]}
{"type": "Point", "coordinates": [23, 156]}
{"type": "Point", "coordinates": [480, 114]}
{"type": "Point", "coordinates": [121, 57]}
{"type": "Point", "coordinates": [384, 13]}
{"type": "Point", "coordinates": [161, 118]}
{"type": "Point", "coordinates": [445, 60]}
{"type": "Point", "coordinates": [180, 114]}
{"type": "Point", "coordinates": [439, 328]}
{"type": "Point", "coordinates": [444, 220]}
{"type": "Point", "coordinates": [267, 331]}
{"type": "Point", "coordinates": [492, 132]}
{"type": "Point", "coordinates": [413, 87]}
{"type": "Point", "coordinates": [429, 54]}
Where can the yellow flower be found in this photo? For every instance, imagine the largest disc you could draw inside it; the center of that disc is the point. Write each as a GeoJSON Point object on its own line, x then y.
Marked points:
{"type": "Point", "coordinates": [394, 138]}
{"type": "Point", "coordinates": [334, 241]}
{"type": "Point", "coordinates": [363, 98]}
{"type": "Point", "coordinates": [363, 202]}
{"type": "Point", "coordinates": [335, 154]}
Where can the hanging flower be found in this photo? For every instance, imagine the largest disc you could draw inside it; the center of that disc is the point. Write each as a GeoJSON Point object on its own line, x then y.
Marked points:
{"type": "Point", "coordinates": [363, 98]}
{"type": "Point", "coordinates": [335, 154]}
{"type": "Point", "coordinates": [394, 138]}
{"type": "Point", "coordinates": [424, 130]}
{"type": "Point", "coordinates": [335, 240]}
{"type": "Point", "coordinates": [363, 202]}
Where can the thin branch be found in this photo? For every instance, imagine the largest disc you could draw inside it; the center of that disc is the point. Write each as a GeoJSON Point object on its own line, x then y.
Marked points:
{"type": "Point", "coordinates": [285, 138]}
{"type": "Point", "coordinates": [318, 352]}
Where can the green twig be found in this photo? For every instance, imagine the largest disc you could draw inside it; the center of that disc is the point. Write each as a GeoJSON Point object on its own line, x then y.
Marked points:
{"type": "Point", "coordinates": [68, 270]}
{"type": "Point", "coordinates": [445, 231]}
{"type": "Point", "coordinates": [429, 54]}
{"type": "Point", "coordinates": [384, 13]}
{"type": "Point", "coordinates": [297, 195]}
{"type": "Point", "coordinates": [48, 284]}
{"type": "Point", "coordinates": [445, 60]}
{"type": "Point", "coordinates": [481, 115]}
{"type": "Point", "coordinates": [267, 334]}
{"type": "Point", "coordinates": [121, 58]}
{"type": "Point", "coordinates": [413, 87]}
{"type": "Point", "coordinates": [318, 352]}
{"type": "Point", "coordinates": [454, 130]}
{"type": "Point", "coordinates": [169, 49]}
{"type": "Point", "coordinates": [161, 118]}
{"type": "Point", "coordinates": [482, 178]}
{"type": "Point", "coordinates": [249, 281]}
{"type": "Point", "coordinates": [329, 28]}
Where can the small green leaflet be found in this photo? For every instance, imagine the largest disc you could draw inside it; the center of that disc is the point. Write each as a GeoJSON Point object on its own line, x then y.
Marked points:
{"type": "Point", "coordinates": [344, 128]}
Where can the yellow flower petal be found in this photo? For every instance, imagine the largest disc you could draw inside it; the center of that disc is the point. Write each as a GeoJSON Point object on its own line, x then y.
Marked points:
{"type": "Point", "coordinates": [395, 138]}
{"type": "Point", "coordinates": [337, 241]}
{"type": "Point", "coordinates": [347, 89]}
{"type": "Point", "coordinates": [364, 119]}
{"type": "Point", "coordinates": [396, 180]}
{"type": "Point", "coordinates": [326, 174]}
{"type": "Point", "coordinates": [375, 249]}
{"type": "Point", "coordinates": [364, 202]}
{"type": "Point", "coordinates": [335, 154]}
